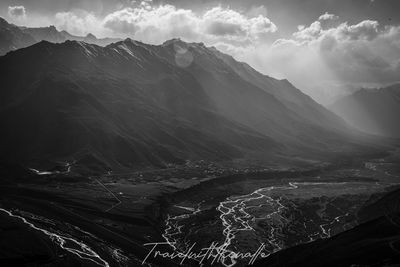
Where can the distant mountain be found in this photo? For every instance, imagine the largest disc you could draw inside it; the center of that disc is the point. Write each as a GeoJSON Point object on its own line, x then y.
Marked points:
{"type": "Point", "coordinates": [51, 34]}
{"type": "Point", "coordinates": [285, 92]}
{"type": "Point", "coordinates": [133, 104]}
{"type": "Point", "coordinates": [372, 110]}
{"type": "Point", "coordinates": [13, 37]}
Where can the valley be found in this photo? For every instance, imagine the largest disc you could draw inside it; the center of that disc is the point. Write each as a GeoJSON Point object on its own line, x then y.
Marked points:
{"type": "Point", "coordinates": [117, 152]}
{"type": "Point", "coordinates": [263, 211]}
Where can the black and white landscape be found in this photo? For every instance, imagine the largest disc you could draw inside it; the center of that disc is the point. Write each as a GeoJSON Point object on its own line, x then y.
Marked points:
{"type": "Point", "coordinates": [154, 133]}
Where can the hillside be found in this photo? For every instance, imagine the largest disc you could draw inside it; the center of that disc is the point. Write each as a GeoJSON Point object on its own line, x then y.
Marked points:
{"type": "Point", "coordinates": [131, 104]}
{"type": "Point", "coordinates": [374, 111]}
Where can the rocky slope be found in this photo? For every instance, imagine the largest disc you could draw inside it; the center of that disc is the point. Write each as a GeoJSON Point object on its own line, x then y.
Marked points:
{"type": "Point", "coordinates": [132, 104]}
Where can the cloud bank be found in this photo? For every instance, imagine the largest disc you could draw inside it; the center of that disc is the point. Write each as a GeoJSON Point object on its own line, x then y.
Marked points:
{"type": "Point", "coordinates": [17, 12]}
{"type": "Point", "coordinates": [155, 24]}
{"type": "Point", "coordinates": [329, 54]}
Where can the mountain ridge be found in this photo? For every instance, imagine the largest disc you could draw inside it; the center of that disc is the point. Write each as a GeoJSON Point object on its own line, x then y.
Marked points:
{"type": "Point", "coordinates": [133, 104]}
{"type": "Point", "coordinates": [11, 37]}
{"type": "Point", "coordinates": [14, 37]}
{"type": "Point", "coordinates": [372, 110]}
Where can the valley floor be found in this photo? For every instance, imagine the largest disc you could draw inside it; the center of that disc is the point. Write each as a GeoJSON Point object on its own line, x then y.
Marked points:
{"type": "Point", "coordinates": [110, 220]}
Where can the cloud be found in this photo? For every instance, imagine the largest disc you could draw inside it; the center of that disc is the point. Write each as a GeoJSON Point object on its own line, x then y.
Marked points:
{"type": "Point", "coordinates": [122, 21]}
{"type": "Point", "coordinates": [221, 28]}
{"type": "Point", "coordinates": [309, 33]}
{"type": "Point", "coordinates": [156, 24]}
{"type": "Point", "coordinates": [150, 23]}
{"type": "Point", "coordinates": [367, 29]}
{"type": "Point", "coordinates": [79, 22]}
{"type": "Point", "coordinates": [153, 25]}
{"type": "Point", "coordinates": [336, 54]}
{"type": "Point", "coordinates": [328, 16]}
{"type": "Point", "coordinates": [221, 22]}
{"type": "Point", "coordinates": [17, 12]}
{"type": "Point", "coordinates": [227, 22]}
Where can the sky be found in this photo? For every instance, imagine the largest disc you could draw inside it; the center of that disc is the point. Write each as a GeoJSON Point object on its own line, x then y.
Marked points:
{"type": "Point", "coordinates": [324, 47]}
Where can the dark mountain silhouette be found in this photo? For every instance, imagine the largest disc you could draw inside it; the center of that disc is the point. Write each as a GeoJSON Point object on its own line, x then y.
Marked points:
{"type": "Point", "coordinates": [13, 37]}
{"type": "Point", "coordinates": [132, 104]}
{"type": "Point", "coordinates": [372, 110]}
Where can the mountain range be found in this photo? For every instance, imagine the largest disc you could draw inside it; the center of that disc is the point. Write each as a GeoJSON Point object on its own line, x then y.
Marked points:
{"type": "Point", "coordinates": [13, 37]}
{"type": "Point", "coordinates": [374, 111]}
{"type": "Point", "coordinates": [130, 104]}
